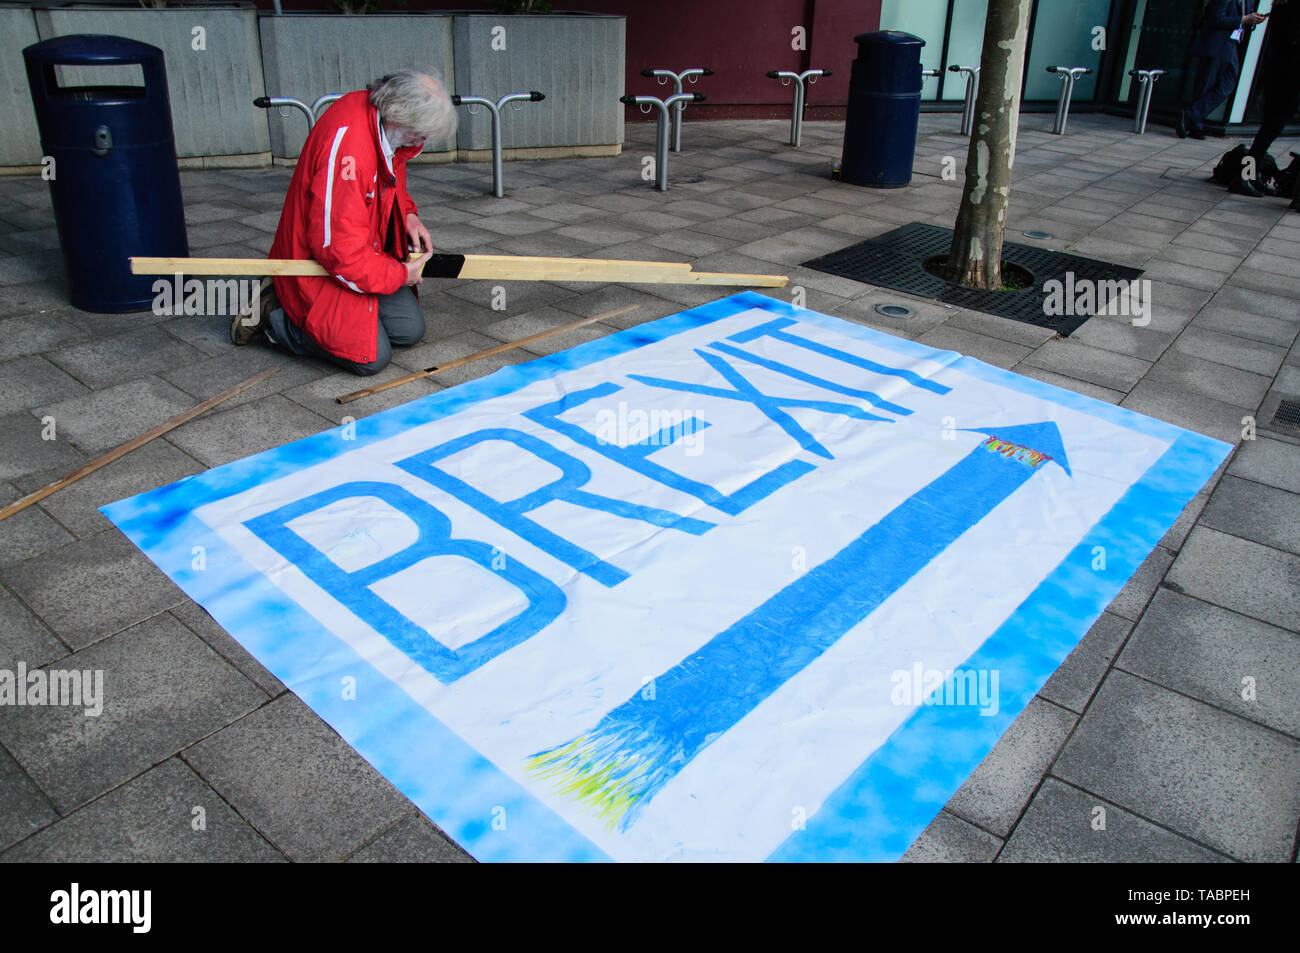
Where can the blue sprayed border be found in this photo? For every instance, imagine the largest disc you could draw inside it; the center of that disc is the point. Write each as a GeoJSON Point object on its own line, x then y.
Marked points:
{"type": "Point", "coordinates": [874, 815]}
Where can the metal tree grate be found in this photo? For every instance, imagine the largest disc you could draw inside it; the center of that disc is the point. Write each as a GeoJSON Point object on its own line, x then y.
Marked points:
{"type": "Point", "coordinates": [1288, 414]}
{"type": "Point", "coordinates": [896, 260]}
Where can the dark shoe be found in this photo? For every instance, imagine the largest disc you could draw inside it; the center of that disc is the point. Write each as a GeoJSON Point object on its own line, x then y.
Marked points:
{"type": "Point", "coordinates": [1180, 127]}
{"type": "Point", "coordinates": [1244, 187]}
{"type": "Point", "coordinates": [248, 326]}
{"type": "Point", "coordinates": [1196, 133]}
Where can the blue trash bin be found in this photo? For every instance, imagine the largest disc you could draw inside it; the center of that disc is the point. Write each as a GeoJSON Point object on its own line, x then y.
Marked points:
{"type": "Point", "coordinates": [116, 186]}
{"type": "Point", "coordinates": [884, 110]}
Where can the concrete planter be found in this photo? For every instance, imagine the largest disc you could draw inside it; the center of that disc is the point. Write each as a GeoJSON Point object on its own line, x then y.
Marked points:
{"type": "Point", "coordinates": [308, 55]}
{"type": "Point", "coordinates": [576, 59]}
{"type": "Point", "coordinates": [214, 72]}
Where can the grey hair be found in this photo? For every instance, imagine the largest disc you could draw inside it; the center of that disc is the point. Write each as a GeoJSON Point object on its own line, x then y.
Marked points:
{"type": "Point", "coordinates": [417, 101]}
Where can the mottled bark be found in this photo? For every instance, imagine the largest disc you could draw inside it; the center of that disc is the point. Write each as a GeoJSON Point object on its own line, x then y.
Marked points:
{"type": "Point", "coordinates": [975, 259]}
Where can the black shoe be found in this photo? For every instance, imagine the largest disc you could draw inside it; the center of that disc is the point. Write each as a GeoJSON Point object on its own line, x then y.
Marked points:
{"type": "Point", "coordinates": [1180, 127]}
{"type": "Point", "coordinates": [1196, 133]}
{"type": "Point", "coordinates": [1244, 187]}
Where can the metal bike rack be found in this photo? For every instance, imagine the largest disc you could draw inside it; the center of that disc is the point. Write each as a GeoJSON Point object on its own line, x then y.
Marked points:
{"type": "Point", "coordinates": [786, 77]}
{"type": "Point", "coordinates": [1067, 76]}
{"type": "Point", "coordinates": [323, 102]}
{"type": "Point", "coordinates": [661, 134]}
{"type": "Point", "coordinates": [663, 76]}
{"type": "Point", "coordinates": [271, 102]}
{"type": "Point", "coordinates": [972, 88]}
{"type": "Point", "coordinates": [1146, 86]}
{"type": "Point", "coordinates": [495, 110]}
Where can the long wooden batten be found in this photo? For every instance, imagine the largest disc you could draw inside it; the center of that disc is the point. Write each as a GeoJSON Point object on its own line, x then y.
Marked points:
{"type": "Point", "coordinates": [498, 267]}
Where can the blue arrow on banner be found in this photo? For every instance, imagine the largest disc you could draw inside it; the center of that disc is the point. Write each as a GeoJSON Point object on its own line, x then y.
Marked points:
{"type": "Point", "coordinates": [621, 763]}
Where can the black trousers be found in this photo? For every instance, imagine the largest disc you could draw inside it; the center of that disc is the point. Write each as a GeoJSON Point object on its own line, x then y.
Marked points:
{"type": "Point", "coordinates": [401, 324]}
{"type": "Point", "coordinates": [1281, 91]}
{"type": "Point", "coordinates": [1216, 77]}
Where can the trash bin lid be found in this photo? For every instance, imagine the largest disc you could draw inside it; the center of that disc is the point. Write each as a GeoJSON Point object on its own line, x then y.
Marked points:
{"type": "Point", "coordinates": [91, 49]}
{"type": "Point", "coordinates": [888, 38]}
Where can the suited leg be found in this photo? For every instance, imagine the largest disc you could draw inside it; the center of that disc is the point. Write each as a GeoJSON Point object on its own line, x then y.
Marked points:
{"type": "Point", "coordinates": [1215, 81]}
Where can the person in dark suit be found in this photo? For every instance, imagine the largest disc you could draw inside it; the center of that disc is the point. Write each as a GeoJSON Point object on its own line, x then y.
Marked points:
{"type": "Point", "coordinates": [1221, 36]}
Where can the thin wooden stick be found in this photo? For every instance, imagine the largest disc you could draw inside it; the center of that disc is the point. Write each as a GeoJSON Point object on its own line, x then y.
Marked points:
{"type": "Point", "coordinates": [133, 444]}
{"type": "Point", "coordinates": [479, 355]}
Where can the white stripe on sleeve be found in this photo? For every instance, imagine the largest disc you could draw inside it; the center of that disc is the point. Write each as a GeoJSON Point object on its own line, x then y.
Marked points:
{"type": "Point", "coordinates": [329, 182]}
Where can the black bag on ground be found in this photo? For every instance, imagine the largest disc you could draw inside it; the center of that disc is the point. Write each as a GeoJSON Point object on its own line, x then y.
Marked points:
{"type": "Point", "coordinates": [1229, 168]}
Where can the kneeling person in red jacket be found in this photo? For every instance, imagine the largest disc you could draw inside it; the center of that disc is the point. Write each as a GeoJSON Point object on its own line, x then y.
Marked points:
{"type": "Point", "coordinates": [348, 209]}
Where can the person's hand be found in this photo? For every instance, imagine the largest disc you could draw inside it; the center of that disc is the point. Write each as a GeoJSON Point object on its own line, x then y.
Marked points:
{"type": "Point", "coordinates": [415, 268]}
{"type": "Point", "coordinates": [416, 231]}
{"type": "Point", "coordinates": [1254, 19]}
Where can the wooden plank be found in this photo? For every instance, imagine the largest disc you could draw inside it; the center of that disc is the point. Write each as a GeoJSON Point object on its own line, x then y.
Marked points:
{"type": "Point", "coordinates": [133, 444]}
{"type": "Point", "coordinates": [498, 267]}
{"type": "Point", "coordinates": [479, 355]}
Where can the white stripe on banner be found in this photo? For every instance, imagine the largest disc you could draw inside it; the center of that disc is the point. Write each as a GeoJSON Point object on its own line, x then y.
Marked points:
{"type": "Point", "coordinates": [329, 182]}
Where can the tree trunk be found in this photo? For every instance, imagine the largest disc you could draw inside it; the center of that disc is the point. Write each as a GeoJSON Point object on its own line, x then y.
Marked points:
{"type": "Point", "coordinates": [975, 259]}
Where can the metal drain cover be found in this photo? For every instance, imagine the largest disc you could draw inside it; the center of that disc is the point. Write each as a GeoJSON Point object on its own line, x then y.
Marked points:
{"type": "Point", "coordinates": [894, 310]}
{"type": "Point", "coordinates": [1288, 414]}
{"type": "Point", "coordinates": [1040, 235]}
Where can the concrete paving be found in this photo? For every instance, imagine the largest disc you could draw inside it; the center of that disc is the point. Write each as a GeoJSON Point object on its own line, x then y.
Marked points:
{"type": "Point", "coordinates": [1171, 733]}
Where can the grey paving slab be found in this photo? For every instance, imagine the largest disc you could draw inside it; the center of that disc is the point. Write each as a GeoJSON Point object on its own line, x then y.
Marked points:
{"type": "Point", "coordinates": [1188, 410]}
{"type": "Point", "coordinates": [1071, 358]}
{"type": "Point", "coordinates": [163, 689]}
{"type": "Point", "coordinates": [33, 333]}
{"type": "Point", "coordinates": [1074, 683]}
{"type": "Point", "coordinates": [1253, 356]}
{"type": "Point", "coordinates": [24, 638]}
{"type": "Point", "coordinates": [950, 840]}
{"type": "Point", "coordinates": [1229, 385]}
{"type": "Point", "coordinates": [998, 790]}
{"type": "Point", "coordinates": [1243, 324]}
{"type": "Point", "coordinates": [27, 382]}
{"type": "Point", "coordinates": [24, 449]}
{"type": "Point", "coordinates": [297, 782]}
{"type": "Point", "coordinates": [168, 814]}
{"type": "Point", "coordinates": [601, 234]}
{"type": "Point", "coordinates": [412, 840]}
{"type": "Point", "coordinates": [1065, 825]}
{"type": "Point", "coordinates": [27, 533]}
{"type": "Point", "coordinates": [221, 437]}
{"type": "Point", "coordinates": [24, 809]}
{"type": "Point", "coordinates": [991, 350]}
{"type": "Point", "coordinates": [1256, 302]}
{"type": "Point", "coordinates": [1004, 329]}
{"type": "Point", "coordinates": [195, 618]}
{"type": "Point", "coordinates": [223, 370]}
{"type": "Point", "coordinates": [1217, 779]}
{"type": "Point", "coordinates": [321, 395]}
{"type": "Point", "coordinates": [1268, 461]}
{"type": "Point", "coordinates": [103, 419]}
{"type": "Point", "coordinates": [1069, 383]}
{"type": "Point", "coordinates": [1220, 657]}
{"type": "Point", "coordinates": [650, 307]}
{"type": "Point", "coordinates": [1121, 336]}
{"type": "Point", "coordinates": [1237, 574]}
{"type": "Point", "coordinates": [689, 243]}
{"type": "Point", "coordinates": [78, 589]}
{"type": "Point", "coordinates": [1255, 511]}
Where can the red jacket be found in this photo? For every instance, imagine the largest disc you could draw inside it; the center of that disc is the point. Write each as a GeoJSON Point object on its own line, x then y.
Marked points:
{"type": "Point", "coordinates": [337, 212]}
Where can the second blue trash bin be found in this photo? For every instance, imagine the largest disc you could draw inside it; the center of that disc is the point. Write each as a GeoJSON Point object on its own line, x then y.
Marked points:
{"type": "Point", "coordinates": [116, 187]}
{"type": "Point", "coordinates": [884, 110]}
